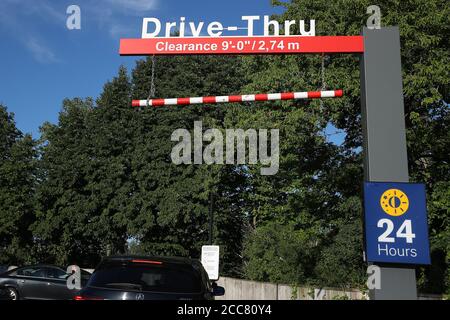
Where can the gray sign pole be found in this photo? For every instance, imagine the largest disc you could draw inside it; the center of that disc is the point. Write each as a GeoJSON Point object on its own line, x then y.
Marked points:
{"type": "Point", "coordinates": [385, 157]}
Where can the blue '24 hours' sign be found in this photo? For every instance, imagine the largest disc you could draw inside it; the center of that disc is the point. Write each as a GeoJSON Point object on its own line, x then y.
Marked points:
{"type": "Point", "coordinates": [396, 229]}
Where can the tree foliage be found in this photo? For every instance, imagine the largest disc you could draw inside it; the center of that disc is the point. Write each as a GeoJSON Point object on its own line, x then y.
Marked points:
{"type": "Point", "coordinates": [17, 190]}
{"type": "Point", "coordinates": [324, 191]}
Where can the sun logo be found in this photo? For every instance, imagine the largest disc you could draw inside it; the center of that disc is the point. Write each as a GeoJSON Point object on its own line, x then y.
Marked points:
{"type": "Point", "coordinates": [394, 202]}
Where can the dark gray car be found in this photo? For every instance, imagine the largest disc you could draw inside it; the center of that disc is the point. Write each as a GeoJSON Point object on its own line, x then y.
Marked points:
{"type": "Point", "coordinates": [42, 282]}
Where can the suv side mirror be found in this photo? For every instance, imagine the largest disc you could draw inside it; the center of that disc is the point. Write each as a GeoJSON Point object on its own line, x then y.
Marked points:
{"type": "Point", "coordinates": [217, 290]}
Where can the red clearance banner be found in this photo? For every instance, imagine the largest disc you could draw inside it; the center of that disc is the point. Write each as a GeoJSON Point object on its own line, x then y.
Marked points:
{"type": "Point", "coordinates": [242, 45]}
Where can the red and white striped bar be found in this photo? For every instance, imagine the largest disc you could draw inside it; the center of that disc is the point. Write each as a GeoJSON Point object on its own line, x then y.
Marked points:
{"type": "Point", "coordinates": [239, 98]}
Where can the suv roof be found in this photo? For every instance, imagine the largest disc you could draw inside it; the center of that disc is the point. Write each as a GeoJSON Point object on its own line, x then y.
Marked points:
{"type": "Point", "coordinates": [174, 260]}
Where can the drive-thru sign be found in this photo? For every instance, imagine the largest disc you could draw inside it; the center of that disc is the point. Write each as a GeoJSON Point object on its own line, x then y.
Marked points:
{"type": "Point", "coordinates": [382, 119]}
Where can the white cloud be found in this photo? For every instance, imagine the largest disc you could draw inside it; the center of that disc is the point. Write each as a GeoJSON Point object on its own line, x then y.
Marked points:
{"type": "Point", "coordinates": [42, 9]}
{"type": "Point", "coordinates": [40, 52]}
{"type": "Point", "coordinates": [108, 14]}
{"type": "Point", "coordinates": [134, 5]}
{"type": "Point", "coordinates": [47, 10]}
{"type": "Point", "coordinates": [118, 30]}
{"type": "Point", "coordinates": [13, 15]}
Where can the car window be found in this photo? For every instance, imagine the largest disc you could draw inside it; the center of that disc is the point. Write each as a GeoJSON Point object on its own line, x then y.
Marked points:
{"type": "Point", "coordinates": [37, 272]}
{"type": "Point", "coordinates": [148, 278]}
{"type": "Point", "coordinates": [56, 273]}
{"type": "Point", "coordinates": [85, 275]}
{"type": "Point", "coordinates": [12, 273]}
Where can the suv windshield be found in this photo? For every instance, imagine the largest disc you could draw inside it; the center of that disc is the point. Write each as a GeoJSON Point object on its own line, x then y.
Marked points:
{"type": "Point", "coordinates": [158, 278]}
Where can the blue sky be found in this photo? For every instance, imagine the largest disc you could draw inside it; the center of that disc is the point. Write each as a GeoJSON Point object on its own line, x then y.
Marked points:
{"type": "Point", "coordinates": [42, 62]}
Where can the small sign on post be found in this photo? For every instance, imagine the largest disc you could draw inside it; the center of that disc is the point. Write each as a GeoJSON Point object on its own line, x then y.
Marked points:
{"type": "Point", "coordinates": [396, 223]}
{"type": "Point", "coordinates": [210, 261]}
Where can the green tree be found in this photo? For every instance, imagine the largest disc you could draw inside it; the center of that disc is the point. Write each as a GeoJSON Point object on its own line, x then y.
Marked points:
{"type": "Point", "coordinates": [323, 188]}
{"type": "Point", "coordinates": [173, 200]}
{"type": "Point", "coordinates": [63, 231]}
{"type": "Point", "coordinates": [17, 190]}
{"type": "Point", "coordinates": [280, 253]}
{"type": "Point", "coordinates": [83, 196]}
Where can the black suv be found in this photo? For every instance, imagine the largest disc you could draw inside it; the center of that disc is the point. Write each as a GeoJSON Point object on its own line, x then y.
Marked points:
{"type": "Point", "coordinates": [149, 278]}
